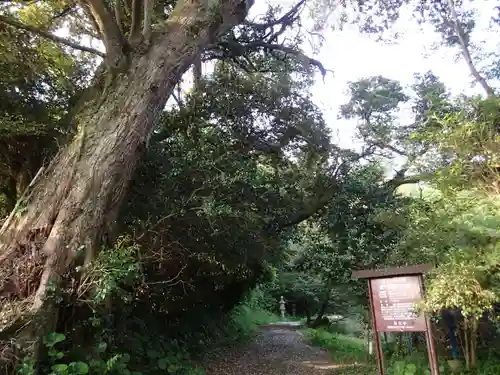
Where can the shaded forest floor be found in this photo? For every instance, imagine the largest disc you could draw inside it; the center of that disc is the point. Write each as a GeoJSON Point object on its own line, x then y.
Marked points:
{"type": "Point", "coordinates": [276, 351]}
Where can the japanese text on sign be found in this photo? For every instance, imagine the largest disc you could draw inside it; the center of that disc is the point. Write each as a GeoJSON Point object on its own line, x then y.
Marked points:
{"type": "Point", "coordinates": [394, 301]}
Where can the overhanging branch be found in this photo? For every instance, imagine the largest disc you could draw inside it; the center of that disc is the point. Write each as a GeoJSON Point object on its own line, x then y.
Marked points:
{"type": "Point", "coordinates": [310, 210]}
{"type": "Point", "coordinates": [391, 148]}
{"type": "Point", "coordinates": [237, 49]}
{"type": "Point", "coordinates": [401, 178]}
{"type": "Point", "coordinates": [306, 60]}
{"type": "Point", "coordinates": [49, 36]}
{"type": "Point", "coordinates": [466, 53]}
{"type": "Point", "coordinates": [316, 205]}
{"type": "Point", "coordinates": [288, 18]}
{"type": "Point", "coordinates": [262, 37]}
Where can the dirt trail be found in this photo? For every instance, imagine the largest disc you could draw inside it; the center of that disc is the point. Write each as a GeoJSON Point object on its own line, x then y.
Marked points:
{"type": "Point", "coordinates": [276, 351]}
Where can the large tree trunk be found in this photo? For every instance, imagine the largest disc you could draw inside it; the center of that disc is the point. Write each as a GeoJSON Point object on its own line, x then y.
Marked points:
{"type": "Point", "coordinates": [76, 201]}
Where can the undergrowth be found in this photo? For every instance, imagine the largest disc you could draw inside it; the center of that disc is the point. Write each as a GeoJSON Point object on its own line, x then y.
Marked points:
{"type": "Point", "coordinates": [246, 320]}
{"type": "Point", "coordinates": [131, 341]}
{"type": "Point", "coordinates": [351, 355]}
{"type": "Point", "coordinates": [146, 354]}
{"type": "Point", "coordinates": [343, 348]}
{"type": "Point", "coordinates": [418, 364]}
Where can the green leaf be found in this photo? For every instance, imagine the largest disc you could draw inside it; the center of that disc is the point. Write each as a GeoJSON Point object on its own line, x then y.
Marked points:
{"type": "Point", "coordinates": [80, 368]}
{"type": "Point", "coordinates": [101, 348]}
{"type": "Point", "coordinates": [125, 358]}
{"type": "Point", "coordinates": [60, 368]}
{"type": "Point", "coordinates": [53, 338]}
{"type": "Point", "coordinates": [173, 368]}
{"type": "Point", "coordinates": [55, 354]}
{"type": "Point", "coordinates": [162, 364]}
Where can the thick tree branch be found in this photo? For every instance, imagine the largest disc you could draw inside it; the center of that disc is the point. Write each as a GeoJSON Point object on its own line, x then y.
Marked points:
{"type": "Point", "coordinates": [135, 24]}
{"type": "Point", "coordinates": [287, 19]}
{"type": "Point", "coordinates": [298, 54]}
{"type": "Point", "coordinates": [264, 38]}
{"type": "Point", "coordinates": [392, 148]}
{"type": "Point", "coordinates": [50, 36]}
{"type": "Point", "coordinates": [88, 12]}
{"type": "Point", "coordinates": [317, 204]}
{"type": "Point", "coordinates": [466, 53]}
{"type": "Point", "coordinates": [148, 19]}
{"type": "Point", "coordinates": [401, 179]}
{"type": "Point", "coordinates": [68, 10]}
{"type": "Point", "coordinates": [119, 14]}
{"type": "Point", "coordinates": [309, 211]}
{"type": "Point", "coordinates": [112, 37]}
{"type": "Point", "coordinates": [237, 49]}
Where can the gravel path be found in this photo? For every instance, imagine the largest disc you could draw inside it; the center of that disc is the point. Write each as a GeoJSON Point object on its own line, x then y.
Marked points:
{"type": "Point", "coordinates": [276, 351]}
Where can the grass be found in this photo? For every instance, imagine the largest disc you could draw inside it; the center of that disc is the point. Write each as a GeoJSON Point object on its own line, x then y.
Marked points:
{"type": "Point", "coordinates": [349, 350]}
{"type": "Point", "coordinates": [244, 324]}
{"type": "Point", "coordinates": [250, 318]}
{"type": "Point", "coordinates": [344, 350]}
{"type": "Point", "coordinates": [342, 347]}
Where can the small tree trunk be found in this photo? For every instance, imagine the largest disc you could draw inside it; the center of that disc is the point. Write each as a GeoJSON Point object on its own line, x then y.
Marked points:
{"type": "Point", "coordinates": [308, 314]}
{"type": "Point", "coordinates": [466, 344]}
{"type": "Point", "coordinates": [197, 72]}
{"type": "Point", "coordinates": [77, 200]}
{"type": "Point", "coordinates": [322, 309]}
{"type": "Point", "coordinates": [473, 343]}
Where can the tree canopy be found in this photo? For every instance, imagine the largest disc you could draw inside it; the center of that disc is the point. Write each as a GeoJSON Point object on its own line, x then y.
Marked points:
{"type": "Point", "coordinates": [125, 218]}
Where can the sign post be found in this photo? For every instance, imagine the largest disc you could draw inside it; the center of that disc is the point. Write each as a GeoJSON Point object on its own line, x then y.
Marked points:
{"type": "Point", "coordinates": [393, 293]}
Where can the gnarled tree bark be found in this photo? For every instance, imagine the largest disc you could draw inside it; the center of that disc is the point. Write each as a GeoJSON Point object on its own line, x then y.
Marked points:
{"type": "Point", "coordinates": [76, 201]}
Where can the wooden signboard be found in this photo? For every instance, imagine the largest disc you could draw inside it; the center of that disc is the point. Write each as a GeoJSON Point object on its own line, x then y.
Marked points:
{"type": "Point", "coordinates": [394, 299]}
{"type": "Point", "coordinates": [393, 294]}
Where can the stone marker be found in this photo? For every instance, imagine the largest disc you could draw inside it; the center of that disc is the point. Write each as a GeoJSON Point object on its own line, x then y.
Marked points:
{"type": "Point", "coordinates": [282, 307]}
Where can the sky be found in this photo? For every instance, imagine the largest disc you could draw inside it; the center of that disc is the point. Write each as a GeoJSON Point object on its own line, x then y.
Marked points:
{"type": "Point", "coordinates": [352, 56]}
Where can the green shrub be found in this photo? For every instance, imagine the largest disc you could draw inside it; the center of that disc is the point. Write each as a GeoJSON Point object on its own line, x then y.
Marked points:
{"type": "Point", "coordinates": [418, 364]}
{"type": "Point", "coordinates": [414, 364]}
{"type": "Point", "coordinates": [162, 355]}
{"type": "Point", "coordinates": [244, 321]}
{"type": "Point", "coordinates": [342, 348]}
{"type": "Point", "coordinates": [99, 361]}
{"type": "Point", "coordinates": [348, 326]}
{"type": "Point", "coordinates": [260, 299]}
